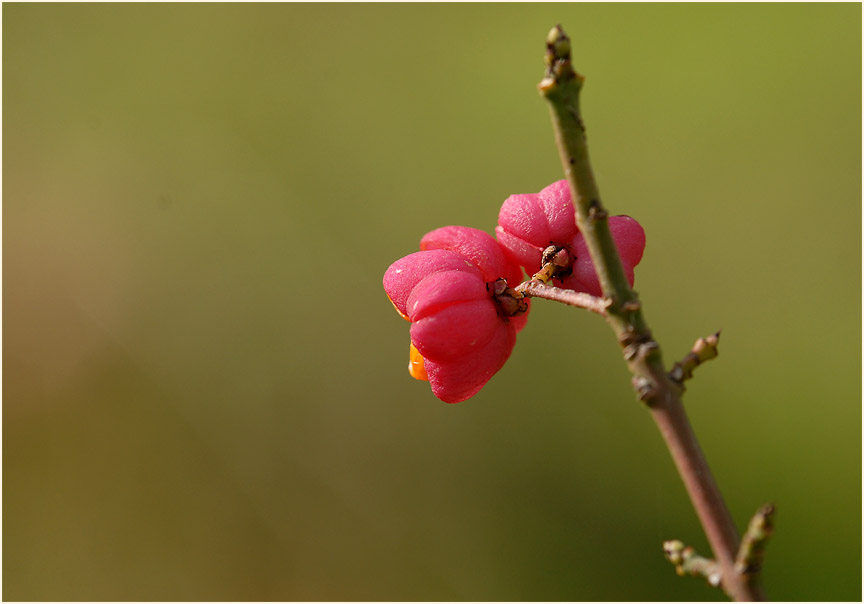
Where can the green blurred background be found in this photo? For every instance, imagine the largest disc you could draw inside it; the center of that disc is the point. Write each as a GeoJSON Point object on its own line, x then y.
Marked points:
{"type": "Point", "coordinates": [205, 388]}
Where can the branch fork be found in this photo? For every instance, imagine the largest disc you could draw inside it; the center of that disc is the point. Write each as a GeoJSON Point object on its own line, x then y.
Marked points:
{"type": "Point", "coordinates": [748, 562]}
{"type": "Point", "coordinates": [557, 262]}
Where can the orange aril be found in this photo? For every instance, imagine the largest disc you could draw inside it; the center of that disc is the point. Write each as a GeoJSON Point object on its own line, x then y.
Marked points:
{"type": "Point", "coordinates": [415, 364]}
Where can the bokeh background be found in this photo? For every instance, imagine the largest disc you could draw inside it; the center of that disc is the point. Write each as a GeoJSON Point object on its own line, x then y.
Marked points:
{"type": "Point", "coordinates": [205, 388]}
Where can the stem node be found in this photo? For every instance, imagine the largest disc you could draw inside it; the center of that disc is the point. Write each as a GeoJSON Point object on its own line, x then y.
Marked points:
{"type": "Point", "coordinates": [596, 212]}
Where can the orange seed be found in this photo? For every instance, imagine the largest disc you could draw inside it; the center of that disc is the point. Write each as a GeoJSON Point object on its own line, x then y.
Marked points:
{"type": "Point", "coordinates": [415, 364]}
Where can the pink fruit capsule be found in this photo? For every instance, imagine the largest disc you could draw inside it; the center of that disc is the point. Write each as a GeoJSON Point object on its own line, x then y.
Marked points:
{"type": "Point", "coordinates": [460, 335]}
{"type": "Point", "coordinates": [529, 223]}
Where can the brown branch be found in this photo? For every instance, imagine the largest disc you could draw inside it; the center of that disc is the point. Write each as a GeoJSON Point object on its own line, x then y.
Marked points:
{"type": "Point", "coordinates": [538, 289]}
{"type": "Point", "coordinates": [561, 87]}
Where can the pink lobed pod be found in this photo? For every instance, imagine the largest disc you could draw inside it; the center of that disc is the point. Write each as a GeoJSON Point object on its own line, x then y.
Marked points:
{"type": "Point", "coordinates": [482, 250]}
{"type": "Point", "coordinates": [476, 246]}
{"type": "Point", "coordinates": [529, 223]}
{"type": "Point", "coordinates": [459, 335]}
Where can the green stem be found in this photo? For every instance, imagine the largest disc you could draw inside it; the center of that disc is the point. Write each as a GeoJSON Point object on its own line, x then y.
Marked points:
{"type": "Point", "coordinates": [561, 87]}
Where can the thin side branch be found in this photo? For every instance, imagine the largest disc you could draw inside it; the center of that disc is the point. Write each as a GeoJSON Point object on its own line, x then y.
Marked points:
{"type": "Point", "coordinates": [556, 262]}
{"type": "Point", "coordinates": [749, 560]}
{"type": "Point", "coordinates": [703, 350]}
{"type": "Point", "coordinates": [561, 87]}
{"type": "Point", "coordinates": [688, 562]}
{"type": "Point", "coordinates": [538, 289]}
